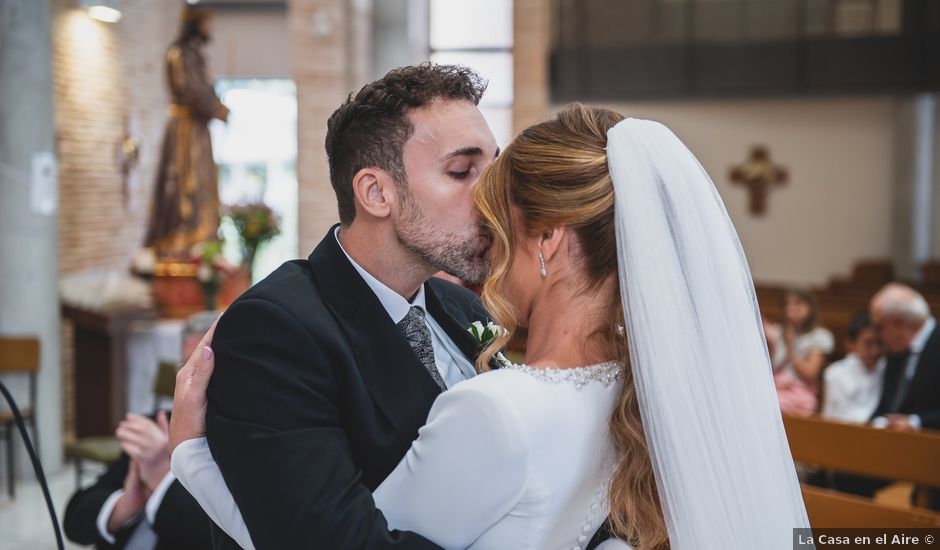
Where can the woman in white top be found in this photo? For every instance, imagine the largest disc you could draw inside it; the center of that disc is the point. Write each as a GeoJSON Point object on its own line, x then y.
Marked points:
{"type": "Point", "coordinates": [604, 231]}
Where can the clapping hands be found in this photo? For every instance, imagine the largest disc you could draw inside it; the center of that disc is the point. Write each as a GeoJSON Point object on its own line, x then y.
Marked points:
{"type": "Point", "coordinates": [146, 442]}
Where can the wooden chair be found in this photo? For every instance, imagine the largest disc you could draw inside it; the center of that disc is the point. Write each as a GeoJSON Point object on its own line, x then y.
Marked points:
{"type": "Point", "coordinates": [864, 450]}
{"type": "Point", "coordinates": [19, 356]}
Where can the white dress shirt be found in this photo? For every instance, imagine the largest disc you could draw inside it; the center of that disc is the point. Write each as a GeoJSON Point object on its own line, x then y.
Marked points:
{"type": "Point", "coordinates": [851, 390]}
{"type": "Point", "coordinates": [450, 361]}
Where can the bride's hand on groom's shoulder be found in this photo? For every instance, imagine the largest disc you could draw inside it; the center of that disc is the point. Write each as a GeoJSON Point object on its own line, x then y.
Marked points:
{"type": "Point", "coordinates": [189, 398]}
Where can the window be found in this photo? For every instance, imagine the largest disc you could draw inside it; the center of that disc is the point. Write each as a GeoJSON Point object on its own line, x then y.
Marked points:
{"type": "Point", "coordinates": [478, 34]}
{"type": "Point", "coordinates": [257, 154]}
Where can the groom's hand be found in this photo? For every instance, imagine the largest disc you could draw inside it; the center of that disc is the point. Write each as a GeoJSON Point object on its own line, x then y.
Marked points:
{"type": "Point", "coordinates": [189, 398]}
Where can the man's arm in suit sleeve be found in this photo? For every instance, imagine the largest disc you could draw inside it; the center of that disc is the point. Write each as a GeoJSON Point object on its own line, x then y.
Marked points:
{"type": "Point", "coordinates": [274, 427]}
{"type": "Point", "coordinates": [81, 513]}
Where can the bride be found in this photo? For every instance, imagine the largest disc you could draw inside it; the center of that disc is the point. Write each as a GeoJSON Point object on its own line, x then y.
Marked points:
{"type": "Point", "coordinates": [646, 396]}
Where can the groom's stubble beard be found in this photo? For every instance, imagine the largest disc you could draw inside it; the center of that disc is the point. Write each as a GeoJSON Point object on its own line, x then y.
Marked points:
{"type": "Point", "coordinates": [458, 253]}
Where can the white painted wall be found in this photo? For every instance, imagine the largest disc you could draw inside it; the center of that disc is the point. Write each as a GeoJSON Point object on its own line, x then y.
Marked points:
{"type": "Point", "coordinates": [836, 208]}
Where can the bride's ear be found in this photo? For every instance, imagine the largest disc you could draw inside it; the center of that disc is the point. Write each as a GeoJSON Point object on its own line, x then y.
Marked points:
{"type": "Point", "coordinates": [551, 242]}
{"type": "Point", "coordinates": [372, 188]}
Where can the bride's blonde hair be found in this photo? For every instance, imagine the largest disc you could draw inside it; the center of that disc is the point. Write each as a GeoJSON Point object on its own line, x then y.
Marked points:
{"type": "Point", "coordinates": [556, 174]}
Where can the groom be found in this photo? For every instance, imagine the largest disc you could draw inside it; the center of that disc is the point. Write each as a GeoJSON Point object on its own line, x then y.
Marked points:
{"type": "Point", "coordinates": [327, 368]}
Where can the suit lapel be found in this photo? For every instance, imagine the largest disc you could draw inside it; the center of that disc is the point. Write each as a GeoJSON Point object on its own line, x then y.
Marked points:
{"type": "Point", "coordinates": [445, 312]}
{"type": "Point", "coordinates": [457, 325]}
{"type": "Point", "coordinates": [927, 359]}
{"type": "Point", "coordinates": [398, 382]}
{"type": "Point", "coordinates": [894, 369]}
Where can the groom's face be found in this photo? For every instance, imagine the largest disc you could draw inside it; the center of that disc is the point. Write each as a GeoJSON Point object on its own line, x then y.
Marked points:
{"type": "Point", "coordinates": [449, 149]}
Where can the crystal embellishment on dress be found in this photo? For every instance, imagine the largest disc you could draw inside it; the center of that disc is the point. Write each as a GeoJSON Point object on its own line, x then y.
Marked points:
{"type": "Point", "coordinates": [605, 373]}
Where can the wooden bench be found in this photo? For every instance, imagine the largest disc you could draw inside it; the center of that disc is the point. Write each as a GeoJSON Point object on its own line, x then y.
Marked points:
{"type": "Point", "coordinates": [857, 449]}
{"type": "Point", "coordinates": [833, 509]}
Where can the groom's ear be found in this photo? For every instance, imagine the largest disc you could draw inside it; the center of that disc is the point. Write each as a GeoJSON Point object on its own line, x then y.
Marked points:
{"type": "Point", "coordinates": [551, 242]}
{"type": "Point", "coordinates": [374, 192]}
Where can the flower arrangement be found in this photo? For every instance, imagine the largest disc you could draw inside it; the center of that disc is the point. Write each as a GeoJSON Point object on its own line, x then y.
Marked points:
{"type": "Point", "coordinates": [256, 224]}
{"type": "Point", "coordinates": [211, 269]}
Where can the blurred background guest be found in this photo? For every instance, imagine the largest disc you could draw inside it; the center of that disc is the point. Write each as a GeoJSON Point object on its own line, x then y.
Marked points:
{"type": "Point", "coordinates": [852, 385]}
{"type": "Point", "coordinates": [911, 395]}
{"type": "Point", "coordinates": [137, 503]}
{"type": "Point", "coordinates": [800, 346]}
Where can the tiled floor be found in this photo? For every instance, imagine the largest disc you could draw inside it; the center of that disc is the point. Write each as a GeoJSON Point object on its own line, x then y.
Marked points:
{"type": "Point", "coordinates": [24, 521]}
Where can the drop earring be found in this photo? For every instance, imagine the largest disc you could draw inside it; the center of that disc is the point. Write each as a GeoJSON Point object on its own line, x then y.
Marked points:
{"type": "Point", "coordinates": [542, 270]}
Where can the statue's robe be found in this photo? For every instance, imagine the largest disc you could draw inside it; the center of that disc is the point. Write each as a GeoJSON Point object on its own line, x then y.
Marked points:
{"type": "Point", "coordinates": [185, 209]}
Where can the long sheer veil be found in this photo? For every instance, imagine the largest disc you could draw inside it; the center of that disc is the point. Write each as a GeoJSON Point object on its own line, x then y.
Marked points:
{"type": "Point", "coordinates": [703, 378]}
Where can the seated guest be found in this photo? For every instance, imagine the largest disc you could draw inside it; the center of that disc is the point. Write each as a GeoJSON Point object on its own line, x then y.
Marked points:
{"type": "Point", "coordinates": [137, 503]}
{"type": "Point", "coordinates": [800, 347]}
{"type": "Point", "coordinates": [910, 395]}
{"type": "Point", "coordinates": [852, 385]}
{"type": "Point", "coordinates": [910, 398]}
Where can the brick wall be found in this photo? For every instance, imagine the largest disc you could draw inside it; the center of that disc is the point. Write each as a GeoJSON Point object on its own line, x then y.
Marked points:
{"type": "Point", "coordinates": [105, 75]}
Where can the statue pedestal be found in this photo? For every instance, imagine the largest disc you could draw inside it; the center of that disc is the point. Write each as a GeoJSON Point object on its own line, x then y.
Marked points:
{"type": "Point", "coordinates": [178, 292]}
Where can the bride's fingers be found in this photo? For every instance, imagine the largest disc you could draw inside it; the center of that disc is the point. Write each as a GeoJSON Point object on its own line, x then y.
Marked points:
{"type": "Point", "coordinates": [207, 338]}
{"type": "Point", "coordinates": [186, 371]}
{"type": "Point", "coordinates": [202, 371]}
{"type": "Point", "coordinates": [189, 398]}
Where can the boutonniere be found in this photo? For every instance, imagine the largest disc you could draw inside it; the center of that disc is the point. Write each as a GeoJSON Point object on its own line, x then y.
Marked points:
{"type": "Point", "coordinates": [484, 334]}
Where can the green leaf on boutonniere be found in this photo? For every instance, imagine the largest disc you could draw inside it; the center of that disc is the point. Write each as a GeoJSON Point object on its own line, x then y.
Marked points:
{"type": "Point", "coordinates": [484, 334]}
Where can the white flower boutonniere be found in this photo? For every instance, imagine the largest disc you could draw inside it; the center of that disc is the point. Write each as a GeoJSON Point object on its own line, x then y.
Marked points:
{"type": "Point", "coordinates": [485, 334]}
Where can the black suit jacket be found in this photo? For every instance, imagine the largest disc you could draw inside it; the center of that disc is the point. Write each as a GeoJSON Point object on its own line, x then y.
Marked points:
{"type": "Point", "coordinates": [922, 396]}
{"type": "Point", "coordinates": [316, 397]}
{"type": "Point", "coordinates": [179, 524]}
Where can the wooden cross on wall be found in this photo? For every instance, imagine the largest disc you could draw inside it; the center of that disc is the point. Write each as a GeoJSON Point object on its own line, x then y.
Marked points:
{"type": "Point", "coordinates": [759, 175]}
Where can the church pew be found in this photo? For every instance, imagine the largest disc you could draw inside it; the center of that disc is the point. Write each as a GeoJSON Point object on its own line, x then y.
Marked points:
{"type": "Point", "coordinates": [827, 508]}
{"type": "Point", "coordinates": [864, 450]}
{"type": "Point", "coordinates": [858, 449]}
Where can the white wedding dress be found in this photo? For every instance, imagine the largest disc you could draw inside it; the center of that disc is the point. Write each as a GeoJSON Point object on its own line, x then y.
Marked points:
{"type": "Point", "coordinates": [516, 458]}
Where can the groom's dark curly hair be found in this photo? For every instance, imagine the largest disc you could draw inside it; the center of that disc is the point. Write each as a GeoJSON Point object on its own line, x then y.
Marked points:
{"type": "Point", "coordinates": [370, 128]}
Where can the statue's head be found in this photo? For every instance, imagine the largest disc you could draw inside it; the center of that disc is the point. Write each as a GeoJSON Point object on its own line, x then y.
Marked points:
{"type": "Point", "coordinates": [195, 23]}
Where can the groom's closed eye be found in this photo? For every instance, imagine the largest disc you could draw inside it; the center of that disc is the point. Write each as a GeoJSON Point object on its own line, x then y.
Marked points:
{"type": "Point", "coordinates": [460, 175]}
{"type": "Point", "coordinates": [464, 166]}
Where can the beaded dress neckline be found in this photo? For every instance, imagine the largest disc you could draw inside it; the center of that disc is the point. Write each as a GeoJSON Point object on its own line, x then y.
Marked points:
{"type": "Point", "coordinates": [605, 373]}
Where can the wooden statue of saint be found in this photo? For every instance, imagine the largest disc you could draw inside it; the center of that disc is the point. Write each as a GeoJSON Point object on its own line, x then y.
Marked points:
{"type": "Point", "coordinates": [185, 209]}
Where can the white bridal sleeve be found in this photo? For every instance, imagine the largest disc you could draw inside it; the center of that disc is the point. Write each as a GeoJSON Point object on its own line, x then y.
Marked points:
{"type": "Point", "coordinates": [465, 471]}
{"type": "Point", "coordinates": [196, 470]}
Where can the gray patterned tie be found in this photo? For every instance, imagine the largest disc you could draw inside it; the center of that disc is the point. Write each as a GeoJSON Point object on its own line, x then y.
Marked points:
{"type": "Point", "coordinates": [416, 332]}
